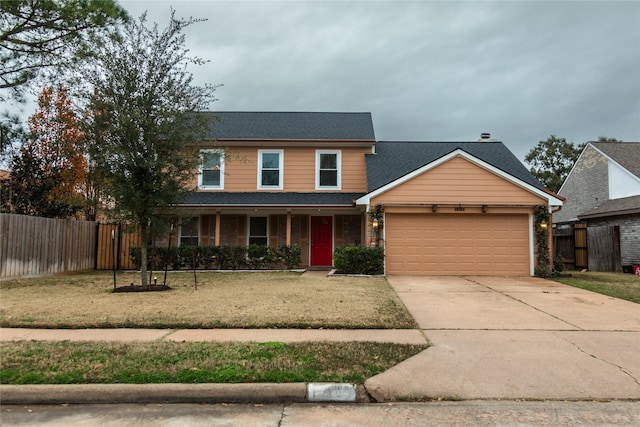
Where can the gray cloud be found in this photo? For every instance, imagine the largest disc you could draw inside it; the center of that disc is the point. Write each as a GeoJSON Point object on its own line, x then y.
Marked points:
{"type": "Point", "coordinates": [522, 70]}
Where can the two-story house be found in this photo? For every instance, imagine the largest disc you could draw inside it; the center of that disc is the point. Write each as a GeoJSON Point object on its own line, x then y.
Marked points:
{"type": "Point", "coordinates": [603, 191]}
{"type": "Point", "coordinates": [311, 179]}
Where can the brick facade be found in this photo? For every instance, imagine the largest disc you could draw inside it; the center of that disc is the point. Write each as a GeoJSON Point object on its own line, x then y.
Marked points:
{"type": "Point", "coordinates": [587, 186]}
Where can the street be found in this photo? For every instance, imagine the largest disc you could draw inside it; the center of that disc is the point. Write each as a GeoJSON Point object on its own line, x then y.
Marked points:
{"type": "Point", "coordinates": [477, 412]}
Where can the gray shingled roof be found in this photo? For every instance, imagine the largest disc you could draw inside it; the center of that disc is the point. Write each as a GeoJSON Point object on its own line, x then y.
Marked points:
{"type": "Point", "coordinates": [626, 154]}
{"type": "Point", "coordinates": [291, 126]}
{"type": "Point", "coordinates": [396, 159]}
{"type": "Point", "coordinates": [270, 199]}
{"type": "Point", "coordinates": [623, 206]}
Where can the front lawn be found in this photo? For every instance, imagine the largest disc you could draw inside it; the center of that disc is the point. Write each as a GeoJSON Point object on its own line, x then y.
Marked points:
{"type": "Point", "coordinates": [222, 300]}
{"type": "Point", "coordinates": [196, 362]}
{"type": "Point", "coordinates": [618, 285]}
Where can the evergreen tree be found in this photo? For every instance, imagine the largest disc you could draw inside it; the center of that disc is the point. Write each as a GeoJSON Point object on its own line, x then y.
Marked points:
{"type": "Point", "coordinates": [143, 129]}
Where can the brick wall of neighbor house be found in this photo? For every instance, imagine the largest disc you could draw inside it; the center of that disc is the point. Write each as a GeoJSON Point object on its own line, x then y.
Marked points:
{"type": "Point", "coordinates": [589, 180]}
{"type": "Point", "coordinates": [629, 236]}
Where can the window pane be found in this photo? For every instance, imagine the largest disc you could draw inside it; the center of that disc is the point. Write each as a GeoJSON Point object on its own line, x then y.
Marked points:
{"type": "Point", "coordinates": [258, 226]}
{"type": "Point", "coordinates": [258, 241]}
{"type": "Point", "coordinates": [258, 231]}
{"type": "Point", "coordinates": [211, 161]}
{"type": "Point", "coordinates": [270, 161]}
{"type": "Point", "coordinates": [328, 178]}
{"type": "Point", "coordinates": [189, 231]}
{"type": "Point", "coordinates": [270, 177]}
{"type": "Point", "coordinates": [211, 177]}
{"type": "Point", "coordinates": [328, 161]}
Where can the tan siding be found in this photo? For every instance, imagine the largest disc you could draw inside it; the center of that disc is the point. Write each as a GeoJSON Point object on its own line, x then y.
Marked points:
{"type": "Point", "coordinates": [458, 181]}
{"type": "Point", "coordinates": [354, 169]}
{"type": "Point", "coordinates": [241, 169]}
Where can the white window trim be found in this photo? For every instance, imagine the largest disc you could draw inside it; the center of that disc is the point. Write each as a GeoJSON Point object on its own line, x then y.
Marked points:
{"type": "Point", "coordinates": [180, 230]}
{"type": "Point", "coordinates": [280, 169]}
{"type": "Point", "coordinates": [201, 186]}
{"type": "Point", "coordinates": [249, 227]}
{"type": "Point", "coordinates": [338, 165]}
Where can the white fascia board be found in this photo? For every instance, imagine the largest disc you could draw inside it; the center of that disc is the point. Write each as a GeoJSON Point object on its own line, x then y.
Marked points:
{"type": "Point", "coordinates": [366, 199]}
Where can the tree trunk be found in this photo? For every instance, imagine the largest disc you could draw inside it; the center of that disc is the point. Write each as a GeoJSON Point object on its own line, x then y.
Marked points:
{"type": "Point", "coordinates": [143, 255]}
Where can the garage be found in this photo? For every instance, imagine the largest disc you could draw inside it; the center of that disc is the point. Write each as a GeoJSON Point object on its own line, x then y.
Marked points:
{"type": "Point", "coordinates": [457, 244]}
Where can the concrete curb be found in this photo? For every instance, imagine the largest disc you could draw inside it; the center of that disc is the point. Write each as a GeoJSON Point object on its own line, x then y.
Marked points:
{"type": "Point", "coordinates": [181, 393]}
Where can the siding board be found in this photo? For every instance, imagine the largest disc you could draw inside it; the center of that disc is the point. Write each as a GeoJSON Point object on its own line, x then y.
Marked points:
{"type": "Point", "coordinates": [458, 181]}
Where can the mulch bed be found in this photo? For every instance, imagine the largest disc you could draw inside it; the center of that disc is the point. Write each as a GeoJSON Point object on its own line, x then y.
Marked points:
{"type": "Point", "coordinates": [139, 288]}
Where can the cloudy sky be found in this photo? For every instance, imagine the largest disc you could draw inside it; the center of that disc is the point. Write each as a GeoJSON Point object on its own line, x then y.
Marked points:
{"type": "Point", "coordinates": [426, 70]}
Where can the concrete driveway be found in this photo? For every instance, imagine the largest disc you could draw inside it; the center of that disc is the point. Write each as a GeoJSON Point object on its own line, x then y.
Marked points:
{"type": "Point", "coordinates": [515, 338]}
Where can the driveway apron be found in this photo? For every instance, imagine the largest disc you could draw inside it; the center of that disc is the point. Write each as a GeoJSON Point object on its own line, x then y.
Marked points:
{"type": "Point", "coordinates": [514, 338]}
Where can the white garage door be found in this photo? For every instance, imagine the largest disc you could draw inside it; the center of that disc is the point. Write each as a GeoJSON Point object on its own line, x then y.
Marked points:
{"type": "Point", "coordinates": [447, 244]}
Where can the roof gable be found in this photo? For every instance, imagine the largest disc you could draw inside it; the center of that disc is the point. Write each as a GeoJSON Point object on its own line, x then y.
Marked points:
{"type": "Point", "coordinates": [394, 160]}
{"type": "Point", "coordinates": [291, 126]}
{"type": "Point", "coordinates": [458, 180]}
{"type": "Point", "coordinates": [459, 152]}
{"type": "Point", "coordinates": [626, 154]}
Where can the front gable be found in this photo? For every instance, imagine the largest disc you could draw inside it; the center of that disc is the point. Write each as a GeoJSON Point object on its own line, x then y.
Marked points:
{"type": "Point", "coordinates": [603, 171]}
{"type": "Point", "coordinates": [459, 178]}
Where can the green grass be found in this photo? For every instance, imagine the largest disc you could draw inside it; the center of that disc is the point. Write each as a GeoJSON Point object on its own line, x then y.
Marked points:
{"type": "Point", "coordinates": [66, 362]}
{"type": "Point", "coordinates": [618, 285]}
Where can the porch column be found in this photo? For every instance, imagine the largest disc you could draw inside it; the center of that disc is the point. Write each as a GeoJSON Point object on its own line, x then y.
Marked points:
{"type": "Point", "coordinates": [217, 239]}
{"type": "Point", "coordinates": [288, 228]}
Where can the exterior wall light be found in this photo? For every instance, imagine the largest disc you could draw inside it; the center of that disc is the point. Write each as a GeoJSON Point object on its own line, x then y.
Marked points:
{"type": "Point", "coordinates": [375, 224]}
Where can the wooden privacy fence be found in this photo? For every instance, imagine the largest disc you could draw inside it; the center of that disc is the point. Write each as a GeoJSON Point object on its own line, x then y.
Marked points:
{"type": "Point", "coordinates": [604, 248]}
{"type": "Point", "coordinates": [596, 248]}
{"type": "Point", "coordinates": [114, 238]}
{"type": "Point", "coordinates": [34, 246]}
{"type": "Point", "coordinates": [571, 244]}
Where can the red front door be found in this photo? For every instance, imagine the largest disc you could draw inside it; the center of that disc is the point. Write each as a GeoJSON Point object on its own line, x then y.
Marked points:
{"type": "Point", "coordinates": [321, 240]}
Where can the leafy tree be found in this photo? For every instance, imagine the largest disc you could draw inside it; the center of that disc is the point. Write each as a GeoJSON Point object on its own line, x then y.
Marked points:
{"type": "Point", "coordinates": [142, 125]}
{"type": "Point", "coordinates": [552, 159]}
{"type": "Point", "coordinates": [38, 34]}
{"type": "Point", "coordinates": [49, 172]}
{"type": "Point", "coordinates": [608, 139]}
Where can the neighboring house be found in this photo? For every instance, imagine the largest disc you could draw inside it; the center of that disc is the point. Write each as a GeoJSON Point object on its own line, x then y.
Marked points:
{"type": "Point", "coordinates": [603, 190]}
{"type": "Point", "coordinates": [311, 179]}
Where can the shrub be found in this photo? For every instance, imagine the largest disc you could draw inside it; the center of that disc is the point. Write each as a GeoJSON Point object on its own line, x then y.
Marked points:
{"type": "Point", "coordinates": [359, 260]}
{"type": "Point", "coordinates": [220, 257]}
{"type": "Point", "coordinates": [558, 264]}
{"type": "Point", "coordinates": [290, 256]}
{"type": "Point", "coordinates": [232, 257]}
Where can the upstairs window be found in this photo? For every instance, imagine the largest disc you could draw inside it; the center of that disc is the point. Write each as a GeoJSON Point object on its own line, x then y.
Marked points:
{"type": "Point", "coordinates": [189, 231]}
{"type": "Point", "coordinates": [211, 173]}
{"type": "Point", "coordinates": [328, 170]}
{"type": "Point", "coordinates": [270, 164]}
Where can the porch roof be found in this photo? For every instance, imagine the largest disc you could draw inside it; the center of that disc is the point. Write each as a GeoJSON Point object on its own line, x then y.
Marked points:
{"type": "Point", "coordinates": [270, 199]}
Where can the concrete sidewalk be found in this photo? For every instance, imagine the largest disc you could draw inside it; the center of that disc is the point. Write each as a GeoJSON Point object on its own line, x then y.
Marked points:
{"type": "Point", "coordinates": [515, 338]}
{"type": "Point", "coordinates": [400, 336]}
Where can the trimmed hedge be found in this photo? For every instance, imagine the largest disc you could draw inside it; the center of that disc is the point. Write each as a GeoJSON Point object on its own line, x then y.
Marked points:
{"type": "Point", "coordinates": [254, 257]}
{"type": "Point", "coordinates": [358, 260]}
